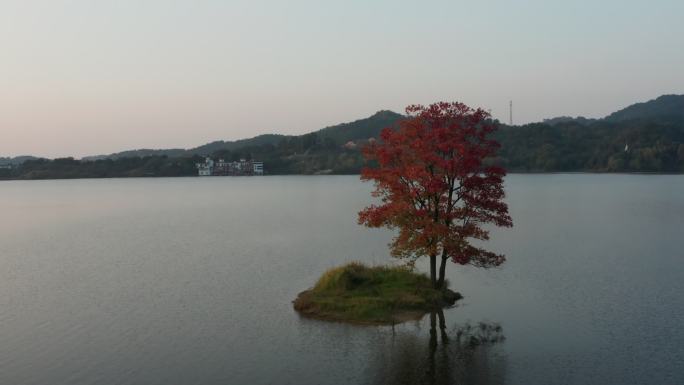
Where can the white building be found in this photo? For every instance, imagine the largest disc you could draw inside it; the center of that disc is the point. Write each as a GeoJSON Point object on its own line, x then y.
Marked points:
{"type": "Point", "coordinates": [258, 168]}
{"type": "Point", "coordinates": [223, 168]}
{"type": "Point", "coordinates": [206, 168]}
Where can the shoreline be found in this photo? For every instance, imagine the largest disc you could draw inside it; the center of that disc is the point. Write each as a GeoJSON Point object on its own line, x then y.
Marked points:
{"type": "Point", "coordinates": [603, 173]}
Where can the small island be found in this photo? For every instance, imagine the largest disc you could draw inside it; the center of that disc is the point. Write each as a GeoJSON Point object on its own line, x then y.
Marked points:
{"type": "Point", "coordinates": [437, 191]}
{"type": "Point", "coordinates": [375, 295]}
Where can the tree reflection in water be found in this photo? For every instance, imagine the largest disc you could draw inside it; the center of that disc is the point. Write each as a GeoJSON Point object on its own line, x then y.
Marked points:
{"type": "Point", "coordinates": [465, 354]}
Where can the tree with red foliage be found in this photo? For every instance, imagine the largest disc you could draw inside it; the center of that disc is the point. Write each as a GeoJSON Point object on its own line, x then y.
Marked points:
{"type": "Point", "coordinates": [435, 188]}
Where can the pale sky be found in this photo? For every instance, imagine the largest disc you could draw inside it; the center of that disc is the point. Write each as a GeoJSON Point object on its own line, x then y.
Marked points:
{"type": "Point", "coordinates": [85, 77]}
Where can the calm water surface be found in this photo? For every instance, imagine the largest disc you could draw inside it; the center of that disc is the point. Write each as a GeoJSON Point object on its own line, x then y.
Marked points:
{"type": "Point", "coordinates": [190, 281]}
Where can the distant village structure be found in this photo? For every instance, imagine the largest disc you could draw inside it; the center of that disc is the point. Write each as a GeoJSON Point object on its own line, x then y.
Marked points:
{"type": "Point", "coordinates": [223, 168]}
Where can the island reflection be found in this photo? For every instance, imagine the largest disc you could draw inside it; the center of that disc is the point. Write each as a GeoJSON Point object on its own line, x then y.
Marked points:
{"type": "Point", "coordinates": [464, 354]}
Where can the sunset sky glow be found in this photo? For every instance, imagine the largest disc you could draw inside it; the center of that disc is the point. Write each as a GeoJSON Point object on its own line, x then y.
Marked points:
{"type": "Point", "coordinates": [86, 77]}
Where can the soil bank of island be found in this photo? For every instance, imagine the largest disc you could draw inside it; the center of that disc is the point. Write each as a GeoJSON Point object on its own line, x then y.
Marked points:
{"type": "Point", "coordinates": [357, 293]}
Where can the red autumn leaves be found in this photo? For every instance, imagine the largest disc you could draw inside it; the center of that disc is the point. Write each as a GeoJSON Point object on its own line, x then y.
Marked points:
{"type": "Point", "coordinates": [434, 186]}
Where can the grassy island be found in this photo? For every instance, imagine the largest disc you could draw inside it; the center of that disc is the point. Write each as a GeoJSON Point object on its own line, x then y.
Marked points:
{"type": "Point", "coordinates": [372, 295]}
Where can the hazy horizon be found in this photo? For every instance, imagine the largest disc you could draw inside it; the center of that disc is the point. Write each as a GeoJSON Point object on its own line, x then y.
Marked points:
{"type": "Point", "coordinates": [193, 145]}
{"type": "Point", "coordinates": [84, 78]}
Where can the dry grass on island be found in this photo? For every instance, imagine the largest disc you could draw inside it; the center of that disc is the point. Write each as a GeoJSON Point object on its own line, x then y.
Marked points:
{"type": "Point", "coordinates": [358, 293]}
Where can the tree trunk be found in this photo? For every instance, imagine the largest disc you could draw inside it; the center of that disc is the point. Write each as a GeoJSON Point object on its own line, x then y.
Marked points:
{"type": "Point", "coordinates": [442, 268]}
{"type": "Point", "coordinates": [433, 270]}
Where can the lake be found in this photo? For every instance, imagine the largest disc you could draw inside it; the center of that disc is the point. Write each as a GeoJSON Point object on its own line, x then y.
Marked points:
{"type": "Point", "coordinates": [190, 281]}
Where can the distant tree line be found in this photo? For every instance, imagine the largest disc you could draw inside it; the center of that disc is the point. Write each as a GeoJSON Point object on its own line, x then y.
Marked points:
{"type": "Point", "coordinates": [307, 154]}
{"type": "Point", "coordinates": [64, 168]}
{"type": "Point", "coordinates": [637, 145]}
{"type": "Point", "coordinates": [601, 146]}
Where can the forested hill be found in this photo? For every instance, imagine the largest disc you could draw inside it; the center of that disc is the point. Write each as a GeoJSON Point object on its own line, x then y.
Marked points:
{"type": "Point", "coordinates": [665, 108]}
{"type": "Point", "coordinates": [602, 146]}
{"type": "Point", "coordinates": [342, 133]}
{"type": "Point", "coordinates": [333, 149]}
{"type": "Point", "coordinates": [644, 137]}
